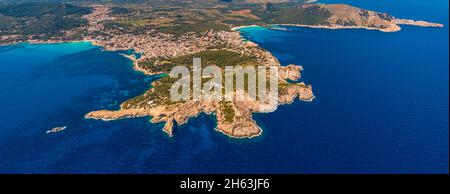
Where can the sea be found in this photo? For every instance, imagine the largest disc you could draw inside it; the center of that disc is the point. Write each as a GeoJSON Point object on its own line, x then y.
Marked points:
{"type": "Point", "coordinates": [381, 106]}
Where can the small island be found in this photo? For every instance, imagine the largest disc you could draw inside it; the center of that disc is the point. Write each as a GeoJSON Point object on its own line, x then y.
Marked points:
{"type": "Point", "coordinates": [56, 129]}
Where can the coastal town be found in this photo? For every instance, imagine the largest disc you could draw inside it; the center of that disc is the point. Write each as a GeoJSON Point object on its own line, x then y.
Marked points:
{"type": "Point", "coordinates": [166, 45]}
{"type": "Point", "coordinates": [234, 118]}
{"type": "Point", "coordinates": [167, 38]}
{"type": "Point", "coordinates": [117, 27]}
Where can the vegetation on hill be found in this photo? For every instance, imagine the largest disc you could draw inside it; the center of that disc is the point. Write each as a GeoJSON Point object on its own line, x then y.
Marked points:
{"type": "Point", "coordinates": [160, 92]}
{"type": "Point", "coordinates": [285, 14]}
{"type": "Point", "coordinates": [41, 18]}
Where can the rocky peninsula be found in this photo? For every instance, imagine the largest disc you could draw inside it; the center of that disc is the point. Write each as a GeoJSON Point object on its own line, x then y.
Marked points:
{"type": "Point", "coordinates": [171, 35]}
{"type": "Point", "coordinates": [233, 118]}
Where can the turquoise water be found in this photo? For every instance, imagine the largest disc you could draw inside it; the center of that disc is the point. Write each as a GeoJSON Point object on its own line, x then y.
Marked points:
{"type": "Point", "coordinates": [381, 107]}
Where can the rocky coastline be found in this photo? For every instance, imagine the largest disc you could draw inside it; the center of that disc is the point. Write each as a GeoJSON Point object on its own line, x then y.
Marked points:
{"type": "Point", "coordinates": [234, 118]}
{"type": "Point", "coordinates": [241, 125]}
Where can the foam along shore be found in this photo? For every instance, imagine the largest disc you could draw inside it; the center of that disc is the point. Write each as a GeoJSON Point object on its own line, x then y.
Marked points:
{"type": "Point", "coordinates": [277, 28]}
{"type": "Point", "coordinates": [332, 27]}
{"type": "Point", "coordinates": [394, 27]}
{"type": "Point", "coordinates": [249, 26]}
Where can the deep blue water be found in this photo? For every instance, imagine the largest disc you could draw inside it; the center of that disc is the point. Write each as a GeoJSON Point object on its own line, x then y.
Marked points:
{"type": "Point", "coordinates": [381, 107]}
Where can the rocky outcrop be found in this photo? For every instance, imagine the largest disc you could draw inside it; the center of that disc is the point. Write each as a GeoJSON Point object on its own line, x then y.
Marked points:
{"type": "Point", "coordinates": [107, 115]}
{"type": "Point", "coordinates": [417, 23]}
{"type": "Point", "coordinates": [300, 90]}
{"type": "Point", "coordinates": [291, 72]}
